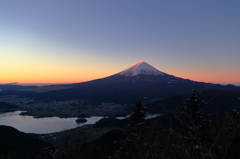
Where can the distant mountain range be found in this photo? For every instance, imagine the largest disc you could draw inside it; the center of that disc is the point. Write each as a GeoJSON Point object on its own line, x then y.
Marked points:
{"type": "Point", "coordinates": [218, 101]}
{"type": "Point", "coordinates": [10, 87]}
{"type": "Point", "coordinates": [140, 80]}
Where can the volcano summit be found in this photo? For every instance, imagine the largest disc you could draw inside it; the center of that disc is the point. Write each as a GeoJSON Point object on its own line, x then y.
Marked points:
{"type": "Point", "coordinates": [141, 68]}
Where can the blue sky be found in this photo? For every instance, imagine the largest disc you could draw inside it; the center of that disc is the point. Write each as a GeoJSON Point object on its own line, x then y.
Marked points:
{"type": "Point", "coordinates": [78, 40]}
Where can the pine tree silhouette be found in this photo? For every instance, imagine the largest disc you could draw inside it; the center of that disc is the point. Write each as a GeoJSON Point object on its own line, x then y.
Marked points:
{"type": "Point", "coordinates": [134, 133]}
{"type": "Point", "coordinates": [137, 120]}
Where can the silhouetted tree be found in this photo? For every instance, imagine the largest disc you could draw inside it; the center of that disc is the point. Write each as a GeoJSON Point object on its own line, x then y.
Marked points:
{"type": "Point", "coordinates": [137, 120]}
{"type": "Point", "coordinates": [195, 122]}
{"type": "Point", "coordinates": [192, 109]}
{"type": "Point", "coordinates": [134, 133]}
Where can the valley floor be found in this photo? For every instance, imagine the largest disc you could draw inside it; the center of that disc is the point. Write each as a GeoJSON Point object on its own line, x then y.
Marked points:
{"type": "Point", "coordinates": [64, 109]}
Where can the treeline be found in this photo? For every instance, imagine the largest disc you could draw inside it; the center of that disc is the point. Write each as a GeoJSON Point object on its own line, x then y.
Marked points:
{"type": "Point", "coordinates": [191, 134]}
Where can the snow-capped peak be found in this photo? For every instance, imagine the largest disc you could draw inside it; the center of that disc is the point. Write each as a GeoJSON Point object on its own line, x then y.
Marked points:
{"type": "Point", "coordinates": [141, 68]}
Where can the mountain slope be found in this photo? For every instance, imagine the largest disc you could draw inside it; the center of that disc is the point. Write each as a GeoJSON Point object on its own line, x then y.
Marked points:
{"type": "Point", "coordinates": [140, 80]}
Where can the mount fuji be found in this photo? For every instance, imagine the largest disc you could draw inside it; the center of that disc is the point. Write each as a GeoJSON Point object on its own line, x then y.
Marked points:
{"type": "Point", "coordinates": [140, 80]}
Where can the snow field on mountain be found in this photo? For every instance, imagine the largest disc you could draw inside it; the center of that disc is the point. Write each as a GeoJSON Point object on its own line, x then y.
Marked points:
{"type": "Point", "coordinates": [141, 68]}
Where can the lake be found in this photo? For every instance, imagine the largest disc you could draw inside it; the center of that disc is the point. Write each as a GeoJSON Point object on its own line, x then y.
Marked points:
{"type": "Point", "coordinates": [29, 124]}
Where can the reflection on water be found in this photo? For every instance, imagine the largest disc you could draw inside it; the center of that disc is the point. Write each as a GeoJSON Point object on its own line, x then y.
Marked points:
{"type": "Point", "coordinates": [148, 116]}
{"type": "Point", "coordinates": [29, 124]}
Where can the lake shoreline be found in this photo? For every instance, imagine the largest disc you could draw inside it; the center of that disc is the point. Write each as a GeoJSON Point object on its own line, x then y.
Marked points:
{"type": "Point", "coordinates": [30, 124]}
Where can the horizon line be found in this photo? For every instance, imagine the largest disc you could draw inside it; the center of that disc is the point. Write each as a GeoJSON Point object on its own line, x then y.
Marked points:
{"type": "Point", "coordinates": [45, 84]}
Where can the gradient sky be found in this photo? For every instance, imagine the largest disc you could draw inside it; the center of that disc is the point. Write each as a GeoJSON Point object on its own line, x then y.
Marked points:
{"type": "Point", "coordinates": [58, 41]}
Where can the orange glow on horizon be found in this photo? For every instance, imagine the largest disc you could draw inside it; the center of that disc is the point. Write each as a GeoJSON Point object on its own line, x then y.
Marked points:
{"type": "Point", "coordinates": [212, 79]}
{"type": "Point", "coordinates": [62, 80]}
{"type": "Point", "coordinates": [40, 73]}
{"type": "Point", "coordinates": [45, 81]}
